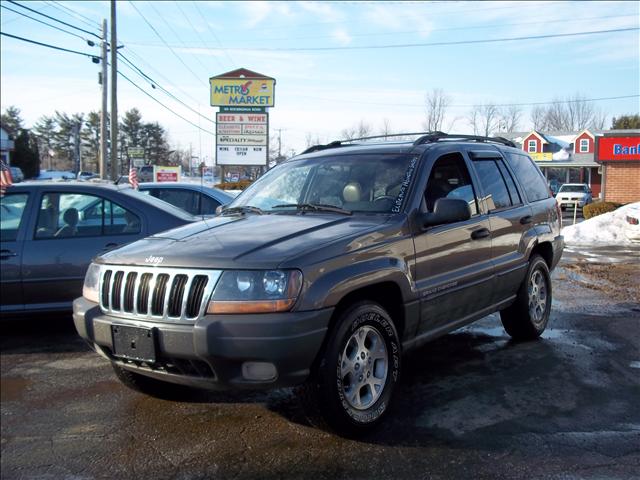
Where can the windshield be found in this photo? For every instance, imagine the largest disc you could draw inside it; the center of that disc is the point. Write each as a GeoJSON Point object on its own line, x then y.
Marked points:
{"type": "Point", "coordinates": [358, 183]}
{"type": "Point", "coordinates": [573, 188]}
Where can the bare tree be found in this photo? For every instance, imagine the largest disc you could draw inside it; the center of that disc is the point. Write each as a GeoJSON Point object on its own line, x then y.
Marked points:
{"type": "Point", "coordinates": [510, 118]}
{"type": "Point", "coordinates": [436, 104]}
{"type": "Point", "coordinates": [310, 140]}
{"type": "Point", "coordinates": [538, 117]}
{"type": "Point", "coordinates": [386, 127]}
{"type": "Point", "coordinates": [484, 119]}
{"type": "Point", "coordinates": [574, 113]}
{"type": "Point", "coordinates": [360, 130]}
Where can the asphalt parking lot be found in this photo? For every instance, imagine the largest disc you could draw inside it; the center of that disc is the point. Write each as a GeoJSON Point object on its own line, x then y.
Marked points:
{"type": "Point", "coordinates": [470, 405]}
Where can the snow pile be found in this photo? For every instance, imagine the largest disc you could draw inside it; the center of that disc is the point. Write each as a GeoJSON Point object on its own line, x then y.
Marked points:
{"type": "Point", "coordinates": [607, 229]}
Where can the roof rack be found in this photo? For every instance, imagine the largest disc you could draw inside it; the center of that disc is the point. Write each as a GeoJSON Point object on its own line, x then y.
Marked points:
{"type": "Point", "coordinates": [348, 142]}
{"type": "Point", "coordinates": [435, 136]}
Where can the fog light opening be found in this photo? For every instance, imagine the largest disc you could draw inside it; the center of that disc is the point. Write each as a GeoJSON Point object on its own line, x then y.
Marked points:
{"type": "Point", "coordinates": [261, 371]}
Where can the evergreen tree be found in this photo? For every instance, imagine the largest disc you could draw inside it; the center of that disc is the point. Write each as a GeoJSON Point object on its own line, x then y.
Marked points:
{"type": "Point", "coordinates": [26, 155]}
{"type": "Point", "coordinates": [11, 121]}
{"type": "Point", "coordinates": [625, 122]}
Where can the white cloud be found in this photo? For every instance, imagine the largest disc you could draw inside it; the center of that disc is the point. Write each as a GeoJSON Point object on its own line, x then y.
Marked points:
{"type": "Point", "coordinates": [341, 36]}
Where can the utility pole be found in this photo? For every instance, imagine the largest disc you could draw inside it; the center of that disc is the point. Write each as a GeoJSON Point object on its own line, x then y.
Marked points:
{"type": "Point", "coordinates": [103, 112]}
{"type": "Point", "coordinates": [115, 165]}
{"type": "Point", "coordinates": [76, 148]}
{"type": "Point", "coordinates": [279, 143]}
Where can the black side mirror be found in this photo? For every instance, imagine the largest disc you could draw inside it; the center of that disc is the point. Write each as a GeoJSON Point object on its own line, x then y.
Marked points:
{"type": "Point", "coordinates": [447, 210]}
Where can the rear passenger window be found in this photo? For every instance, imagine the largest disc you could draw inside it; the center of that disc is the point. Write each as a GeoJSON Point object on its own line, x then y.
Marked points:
{"type": "Point", "coordinates": [450, 178]}
{"type": "Point", "coordinates": [495, 189]}
{"type": "Point", "coordinates": [513, 191]}
{"type": "Point", "coordinates": [529, 176]}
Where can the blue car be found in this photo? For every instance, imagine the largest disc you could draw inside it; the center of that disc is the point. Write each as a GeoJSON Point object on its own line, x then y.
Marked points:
{"type": "Point", "coordinates": [193, 198]}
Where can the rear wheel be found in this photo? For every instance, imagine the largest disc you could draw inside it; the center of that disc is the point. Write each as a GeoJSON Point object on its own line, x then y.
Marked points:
{"type": "Point", "coordinates": [528, 316]}
{"type": "Point", "coordinates": [350, 389]}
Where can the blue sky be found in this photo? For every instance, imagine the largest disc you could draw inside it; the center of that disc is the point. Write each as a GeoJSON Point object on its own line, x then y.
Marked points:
{"type": "Point", "coordinates": [321, 92]}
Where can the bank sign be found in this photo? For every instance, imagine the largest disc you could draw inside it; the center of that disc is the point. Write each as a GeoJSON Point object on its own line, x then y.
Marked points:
{"type": "Point", "coordinates": [242, 92]}
{"type": "Point", "coordinates": [241, 138]}
{"type": "Point", "coordinates": [622, 148]}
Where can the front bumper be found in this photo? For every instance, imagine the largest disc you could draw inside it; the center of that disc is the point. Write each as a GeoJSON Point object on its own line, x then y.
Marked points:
{"type": "Point", "coordinates": [571, 203]}
{"type": "Point", "coordinates": [211, 352]}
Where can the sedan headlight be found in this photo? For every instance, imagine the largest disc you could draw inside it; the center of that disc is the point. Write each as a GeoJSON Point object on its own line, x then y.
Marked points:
{"type": "Point", "coordinates": [255, 291]}
{"type": "Point", "coordinates": [91, 281]}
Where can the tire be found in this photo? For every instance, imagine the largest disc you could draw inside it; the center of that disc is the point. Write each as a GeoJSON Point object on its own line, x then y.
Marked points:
{"type": "Point", "coordinates": [351, 386]}
{"type": "Point", "coordinates": [147, 385]}
{"type": "Point", "coordinates": [528, 316]}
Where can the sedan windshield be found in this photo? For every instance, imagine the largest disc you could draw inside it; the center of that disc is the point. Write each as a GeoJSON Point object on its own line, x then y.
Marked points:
{"type": "Point", "coordinates": [339, 184]}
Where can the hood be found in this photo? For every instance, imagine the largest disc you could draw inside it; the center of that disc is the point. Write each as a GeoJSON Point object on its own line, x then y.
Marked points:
{"type": "Point", "coordinates": [247, 241]}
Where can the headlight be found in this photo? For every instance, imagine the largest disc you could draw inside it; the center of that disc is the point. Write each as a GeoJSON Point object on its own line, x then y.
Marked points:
{"type": "Point", "coordinates": [91, 281]}
{"type": "Point", "coordinates": [256, 291]}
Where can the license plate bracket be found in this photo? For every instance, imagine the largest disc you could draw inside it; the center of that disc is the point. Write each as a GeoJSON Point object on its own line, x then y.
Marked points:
{"type": "Point", "coordinates": [133, 343]}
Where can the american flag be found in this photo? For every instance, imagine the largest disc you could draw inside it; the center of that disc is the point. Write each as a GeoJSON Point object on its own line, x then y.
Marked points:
{"type": "Point", "coordinates": [133, 177]}
{"type": "Point", "coordinates": [5, 177]}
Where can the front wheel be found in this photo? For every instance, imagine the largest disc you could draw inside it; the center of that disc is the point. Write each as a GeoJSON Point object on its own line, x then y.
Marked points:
{"type": "Point", "coordinates": [528, 316]}
{"type": "Point", "coordinates": [350, 388]}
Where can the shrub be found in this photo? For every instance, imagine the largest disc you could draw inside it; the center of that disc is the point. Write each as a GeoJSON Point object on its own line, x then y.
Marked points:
{"type": "Point", "coordinates": [241, 185]}
{"type": "Point", "coordinates": [598, 208]}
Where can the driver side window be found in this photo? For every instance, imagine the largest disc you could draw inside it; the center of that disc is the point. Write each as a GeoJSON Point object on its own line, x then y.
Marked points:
{"type": "Point", "coordinates": [449, 178]}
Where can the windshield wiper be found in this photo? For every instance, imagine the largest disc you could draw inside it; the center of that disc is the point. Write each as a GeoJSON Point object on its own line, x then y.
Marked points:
{"type": "Point", "coordinates": [242, 209]}
{"type": "Point", "coordinates": [314, 207]}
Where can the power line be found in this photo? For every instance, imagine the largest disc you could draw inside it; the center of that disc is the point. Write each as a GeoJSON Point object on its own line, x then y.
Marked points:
{"type": "Point", "coordinates": [163, 40]}
{"type": "Point", "coordinates": [49, 46]}
{"type": "Point", "coordinates": [162, 104]}
{"type": "Point", "coordinates": [434, 44]}
{"type": "Point", "coordinates": [159, 74]}
{"type": "Point", "coordinates": [155, 84]}
{"type": "Point", "coordinates": [179, 38]}
{"type": "Point", "coordinates": [420, 105]}
{"type": "Point", "coordinates": [48, 24]}
{"type": "Point", "coordinates": [177, 4]}
{"type": "Point", "coordinates": [83, 18]}
{"type": "Point", "coordinates": [215, 37]}
{"type": "Point", "coordinates": [55, 19]}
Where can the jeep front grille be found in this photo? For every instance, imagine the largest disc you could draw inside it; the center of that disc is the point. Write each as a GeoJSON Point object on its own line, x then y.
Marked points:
{"type": "Point", "coordinates": [152, 293]}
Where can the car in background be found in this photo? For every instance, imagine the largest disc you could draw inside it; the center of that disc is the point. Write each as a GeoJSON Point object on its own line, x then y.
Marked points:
{"type": "Point", "coordinates": [56, 175]}
{"type": "Point", "coordinates": [145, 173]}
{"type": "Point", "coordinates": [571, 194]}
{"type": "Point", "coordinates": [49, 232]}
{"type": "Point", "coordinates": [632, 222]}
{"type": "Point", "coordinates": [193, 198]}
{"type": "Point", "coordinates": [16, 174]}
{"type": "Point", "coordinates": [87, 175]}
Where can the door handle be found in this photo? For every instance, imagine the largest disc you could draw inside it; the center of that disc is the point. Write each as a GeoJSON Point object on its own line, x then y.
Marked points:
{"type": "Point", "coordinates": [526, 219]}
{"type": "Point", "coordinates": [480, 233]}
{"type": "Point", "coordinates": [7, 254]}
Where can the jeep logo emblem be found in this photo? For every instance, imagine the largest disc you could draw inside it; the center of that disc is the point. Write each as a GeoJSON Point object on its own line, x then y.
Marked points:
{"type": "Point", "coordinates": [155, 260]}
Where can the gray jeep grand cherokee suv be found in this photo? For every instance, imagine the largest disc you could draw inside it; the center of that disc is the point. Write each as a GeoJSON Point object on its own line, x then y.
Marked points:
{"type": "Point", "coordinates": [327, 269]}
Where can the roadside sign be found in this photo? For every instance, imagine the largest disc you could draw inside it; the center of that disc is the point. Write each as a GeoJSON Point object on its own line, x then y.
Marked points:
{"type": "Point", "coordinates": [541, 157]}
{"type": "Point", "coordinates": [241, 138]}
{"type": "Point", "coordinates": [136, 154]}
{"type": "Point", "coordinates": [242, 88]}
{"type": "Point", "coordinates": [166, 174]}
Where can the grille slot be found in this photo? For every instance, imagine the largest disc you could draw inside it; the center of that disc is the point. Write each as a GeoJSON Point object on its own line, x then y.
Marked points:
{"type": "Point", "coordinates": [157, 304]}
{"type": "Point", "coordinates": [116, 291]}
{"type": "Point", "coordinates": [106, 283]}
{"type": "Point", "coordinates": [171, 294]}
{"type": "Point", "coordinates": [129, 290]}
{"type": "Point", "coordinates": [143, 293]}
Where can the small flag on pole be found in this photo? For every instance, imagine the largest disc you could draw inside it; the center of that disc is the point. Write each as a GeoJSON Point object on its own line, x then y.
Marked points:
{"type": "Point", "coordinates": [5, 177]}
{"type": "Point", "coordinates": [133, 177]}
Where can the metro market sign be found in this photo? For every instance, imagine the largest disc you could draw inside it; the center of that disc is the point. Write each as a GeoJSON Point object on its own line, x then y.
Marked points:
{"type": "Point", "coordinates": [242, 88]}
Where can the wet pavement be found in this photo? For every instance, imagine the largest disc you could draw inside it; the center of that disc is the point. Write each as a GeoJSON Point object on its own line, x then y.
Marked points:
{"type": "Point", "coordinates": [472, 404]}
